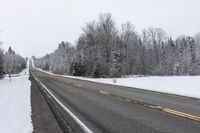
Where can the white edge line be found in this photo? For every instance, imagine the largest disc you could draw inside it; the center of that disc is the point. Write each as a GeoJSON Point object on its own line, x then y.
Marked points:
{"type": "Point", "coordinates": [79, 122]}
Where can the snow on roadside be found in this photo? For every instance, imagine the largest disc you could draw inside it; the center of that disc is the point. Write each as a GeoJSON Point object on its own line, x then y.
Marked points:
{"type": "Point", "coordinates": [178, 85]}
{"type": "Point", "coordinates": [15, 104]}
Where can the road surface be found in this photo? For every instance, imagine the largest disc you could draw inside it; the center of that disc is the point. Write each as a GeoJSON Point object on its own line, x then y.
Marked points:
{"type": "Point", "coordinates": [113, 109]}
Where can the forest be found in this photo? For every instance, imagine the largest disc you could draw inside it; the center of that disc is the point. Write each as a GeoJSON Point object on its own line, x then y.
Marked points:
{"type": "Point", "coordinates": [10, 62]}
{"type": "Point", "coordinates": [105, 50]}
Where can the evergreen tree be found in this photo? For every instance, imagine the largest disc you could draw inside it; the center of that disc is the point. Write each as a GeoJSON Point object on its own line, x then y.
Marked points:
{"type": "Point", "coordinates": [103, 50]}
{"type": "Point", "coordinates": [1, 64]}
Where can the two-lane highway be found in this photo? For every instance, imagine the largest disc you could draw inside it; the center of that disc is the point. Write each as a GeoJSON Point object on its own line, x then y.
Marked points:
{"type": "Point", "coordinates": [114, 109]}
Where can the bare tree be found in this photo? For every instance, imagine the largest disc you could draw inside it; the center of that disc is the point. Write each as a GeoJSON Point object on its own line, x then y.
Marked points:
{"type": "Point", "coordinates": [103, 50]}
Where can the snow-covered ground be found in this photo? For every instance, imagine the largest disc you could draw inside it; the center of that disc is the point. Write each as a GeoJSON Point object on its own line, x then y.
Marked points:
{"type": "Point", "coordinates": [15, 104]}
{"type": "Point", "coordinates": [179, 85]}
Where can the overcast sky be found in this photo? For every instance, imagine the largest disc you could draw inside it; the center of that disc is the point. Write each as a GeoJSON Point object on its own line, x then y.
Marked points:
{"type": "Point", "coordinates": [35, 27]}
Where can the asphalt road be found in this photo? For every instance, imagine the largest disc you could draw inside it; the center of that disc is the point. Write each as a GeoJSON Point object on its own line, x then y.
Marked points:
{"type": "Point", "coordinates": [42, 118]}
{"type": "Point", "coordinates": [114, 109]}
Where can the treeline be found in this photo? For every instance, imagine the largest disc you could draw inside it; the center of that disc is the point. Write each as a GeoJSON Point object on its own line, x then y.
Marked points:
{"type": "Point", "coordinates": [10, 62]}
{"type": "Point", "coordinates": [103, 50]}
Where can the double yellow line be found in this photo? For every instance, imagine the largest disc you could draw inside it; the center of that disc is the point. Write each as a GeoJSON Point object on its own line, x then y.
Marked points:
{"type": "Point", "coordinates": [182, 114]}
{"type": "Point", "coordinates": [167, 110]}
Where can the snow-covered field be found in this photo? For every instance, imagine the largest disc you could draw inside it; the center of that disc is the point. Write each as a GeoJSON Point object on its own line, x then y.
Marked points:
{"type": "Point", "coordinates": [179, 85]}
{"type": "Point", "coordinates": [15, 104]}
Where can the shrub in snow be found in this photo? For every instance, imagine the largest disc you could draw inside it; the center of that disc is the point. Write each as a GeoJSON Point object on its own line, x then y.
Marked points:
{"type": "Point", "coordinates": [114, 80]}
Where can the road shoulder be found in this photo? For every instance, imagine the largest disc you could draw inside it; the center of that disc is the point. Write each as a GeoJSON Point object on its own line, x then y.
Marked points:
{"type": "Point", "coordinates": [42, 117]}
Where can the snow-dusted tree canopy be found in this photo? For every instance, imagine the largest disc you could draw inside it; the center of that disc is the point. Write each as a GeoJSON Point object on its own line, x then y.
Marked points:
{"type": "Point", "coordinates": [1, 64]}
{"type": "Point", "coordinates": [59, 61]}
{"type": "Point", "coordinates": [103, 50]}
{"type": "Point", "coordinates": [12, 62]}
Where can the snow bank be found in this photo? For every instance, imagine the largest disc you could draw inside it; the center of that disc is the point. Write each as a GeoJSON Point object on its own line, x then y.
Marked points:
{"type": "Point", "coordinates": [178, 85]}
{"type": "Point", "coordinates": [15, 104]}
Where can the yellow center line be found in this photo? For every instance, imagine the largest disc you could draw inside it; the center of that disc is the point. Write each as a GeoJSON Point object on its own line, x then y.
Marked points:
{"type": "Point", "coordinates": [104, 92]}
{"type": "Point", "coordinates": [167, 110]}
{"type": "Point", "coordinates": [178, 113]}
